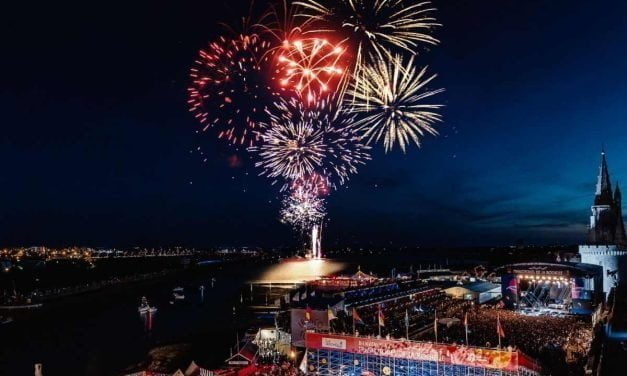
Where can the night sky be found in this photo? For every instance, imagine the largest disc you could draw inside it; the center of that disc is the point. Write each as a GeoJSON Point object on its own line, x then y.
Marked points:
{"type": "Point", "coordinates": [96, 136]}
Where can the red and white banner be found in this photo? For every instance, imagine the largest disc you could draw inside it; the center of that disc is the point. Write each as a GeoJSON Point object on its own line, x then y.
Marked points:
{"type": "Point", "coordinates": [420, 351]}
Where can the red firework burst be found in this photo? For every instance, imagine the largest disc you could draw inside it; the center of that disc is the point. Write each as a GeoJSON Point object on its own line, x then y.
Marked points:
{"type": "Point", "coordinates": [313, 184]}
{"type": "Point", "coordinates": [312, 67]}
{"type": "Point", "coordinates": [229, 90]}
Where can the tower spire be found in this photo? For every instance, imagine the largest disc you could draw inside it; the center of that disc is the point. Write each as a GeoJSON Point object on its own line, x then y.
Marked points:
{"type": "Point", "coordinates": [603, 195]}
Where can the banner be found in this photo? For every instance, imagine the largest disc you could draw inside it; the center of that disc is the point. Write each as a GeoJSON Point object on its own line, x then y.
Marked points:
{"type": "Point", "coordinates": [419, 351]}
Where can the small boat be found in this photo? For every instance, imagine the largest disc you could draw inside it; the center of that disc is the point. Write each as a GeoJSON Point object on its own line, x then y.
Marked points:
{"type": "Point", "coordinates": [5, 320]}
{"type": "Point", "coordinates": [177, 293]}
{"type": "Point", "coordinates": [144, 307]}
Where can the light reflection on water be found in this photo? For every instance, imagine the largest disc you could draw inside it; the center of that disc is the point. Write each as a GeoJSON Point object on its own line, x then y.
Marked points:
{"type": "Point", "coordinates": [147, 319]}
{"type": "Point", "coordinates": [299, 270]}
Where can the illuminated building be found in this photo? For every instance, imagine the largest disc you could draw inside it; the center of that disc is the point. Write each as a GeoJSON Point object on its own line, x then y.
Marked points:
{"type": "Point", "coordinates": [607, 243]}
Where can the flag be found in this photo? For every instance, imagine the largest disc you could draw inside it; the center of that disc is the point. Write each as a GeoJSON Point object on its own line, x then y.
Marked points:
{"type": "Point", "coordinates": [303, 363]}
{"type": "Point", "coordinates": [499, 329]}
{"type": "Point", "coordinates": [356, 317]}
{"type": "Point", "coordinates": [381, 317]}
{"type": "Point", "coordinates": [330, 314]}
{"type": "Point", "coordinates": [308, 311]}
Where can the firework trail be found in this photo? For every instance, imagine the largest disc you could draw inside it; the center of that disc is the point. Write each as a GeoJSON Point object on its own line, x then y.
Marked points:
{"type": "Point", "coordinates": [391, 101]}
{"type": "Point", "coordinates": [280, 23]}
{"type": "Point", "coordinates": [229, 89]}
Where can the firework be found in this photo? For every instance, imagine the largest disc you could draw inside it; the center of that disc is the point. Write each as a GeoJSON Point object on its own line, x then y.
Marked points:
{"type": "Point", "coordinates": [314, 184]}
{"type": "Point", "coordinates": [312, 67]}
{"type": "Point", "coordinates": [301, 141]}
{"type": "Point", "coordinates": [228, 90]}
{"type": "Point", "coordinates": [302, 211]}
{"type": "Point", "coordinates": [375, 29]}
{"type": "Point", "coordinates": [375, 26]}
{"type": "Point", "coordinates": [280, 23]}
{"type": "Point", "coordinates": [391, 100]}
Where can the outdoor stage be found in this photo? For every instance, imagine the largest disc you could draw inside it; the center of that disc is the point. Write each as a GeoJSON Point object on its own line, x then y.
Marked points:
{"type": "Point", "coordinates": [553, 289]}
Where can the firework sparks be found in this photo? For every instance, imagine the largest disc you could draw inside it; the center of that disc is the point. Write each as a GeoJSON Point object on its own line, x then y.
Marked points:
{"type": "Point", "coordinates": [302, 211]}
{"type": "Point", "coordinates": [312, 67]}
{"type": "Point", "coordinates": [280, 23]}
{"type": "Point", "coordinates": [228, 89]}
{"type": "Point", "coordinates": [392, 103]}
{"type": "Point", "coordinates": [301, 141]}
{"type": "Point", "coordinates": [314, 184]}
{"type": "Point", "coordinates": [377, 26]}
{"type": "Point", "coordinates": [374, 28]}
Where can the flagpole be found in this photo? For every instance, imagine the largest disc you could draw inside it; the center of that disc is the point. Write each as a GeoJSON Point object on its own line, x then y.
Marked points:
{"type": "Point", "coordinates": [435, 325]}
{"type": "Point", "coordinates": [329, 318]}
{"type": "Point", "coordinates": [498, 328]}
{"type": "Point", "coordinates": [406, 324]}
{"type": "Point", "coordinates": [466, 325]}
{"type": "Point", "coordinates": [379, 320]}
{"type": "Point", "coordinates": [353, 320]}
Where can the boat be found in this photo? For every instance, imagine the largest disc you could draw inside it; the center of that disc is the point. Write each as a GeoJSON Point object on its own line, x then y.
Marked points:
{"type": "Point", "coordinates": [5, 320]}
{"type": "Point", "coordinates": [144, 307]}
{"type": "Point", "coordinates": [177, 293]}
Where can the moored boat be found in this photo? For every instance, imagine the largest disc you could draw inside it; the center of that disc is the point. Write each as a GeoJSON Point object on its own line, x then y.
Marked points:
{"type": "Point", "coordinates": [178, 293]}
{"type": "Point", "coordinates": [144, 306]}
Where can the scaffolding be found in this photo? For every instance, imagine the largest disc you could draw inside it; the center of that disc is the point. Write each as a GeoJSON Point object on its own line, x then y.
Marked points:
{"type": "Point", "coordinates": [339, 363]}
{"type": "Point", "coordinates": [341, 355]}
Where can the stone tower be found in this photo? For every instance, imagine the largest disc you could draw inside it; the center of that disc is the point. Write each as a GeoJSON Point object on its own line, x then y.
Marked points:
{"type": "Point", "coordinates": [606, 236]}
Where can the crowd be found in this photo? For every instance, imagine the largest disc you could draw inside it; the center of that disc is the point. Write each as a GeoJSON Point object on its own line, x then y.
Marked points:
{"type": "Point", "coordinates": [560, 343]}
{"type": "Point", "coordinates": [267, 350]}
{"type": "Point", "coordinates": [285, 368]}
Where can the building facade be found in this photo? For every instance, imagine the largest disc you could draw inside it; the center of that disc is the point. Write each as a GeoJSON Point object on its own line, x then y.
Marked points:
{"type": "Point", "coordinates": [606, 244]}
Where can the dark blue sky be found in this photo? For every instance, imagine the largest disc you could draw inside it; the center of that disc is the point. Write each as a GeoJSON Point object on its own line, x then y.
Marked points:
{"type": "Point", "coordinates": [96, 135]}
